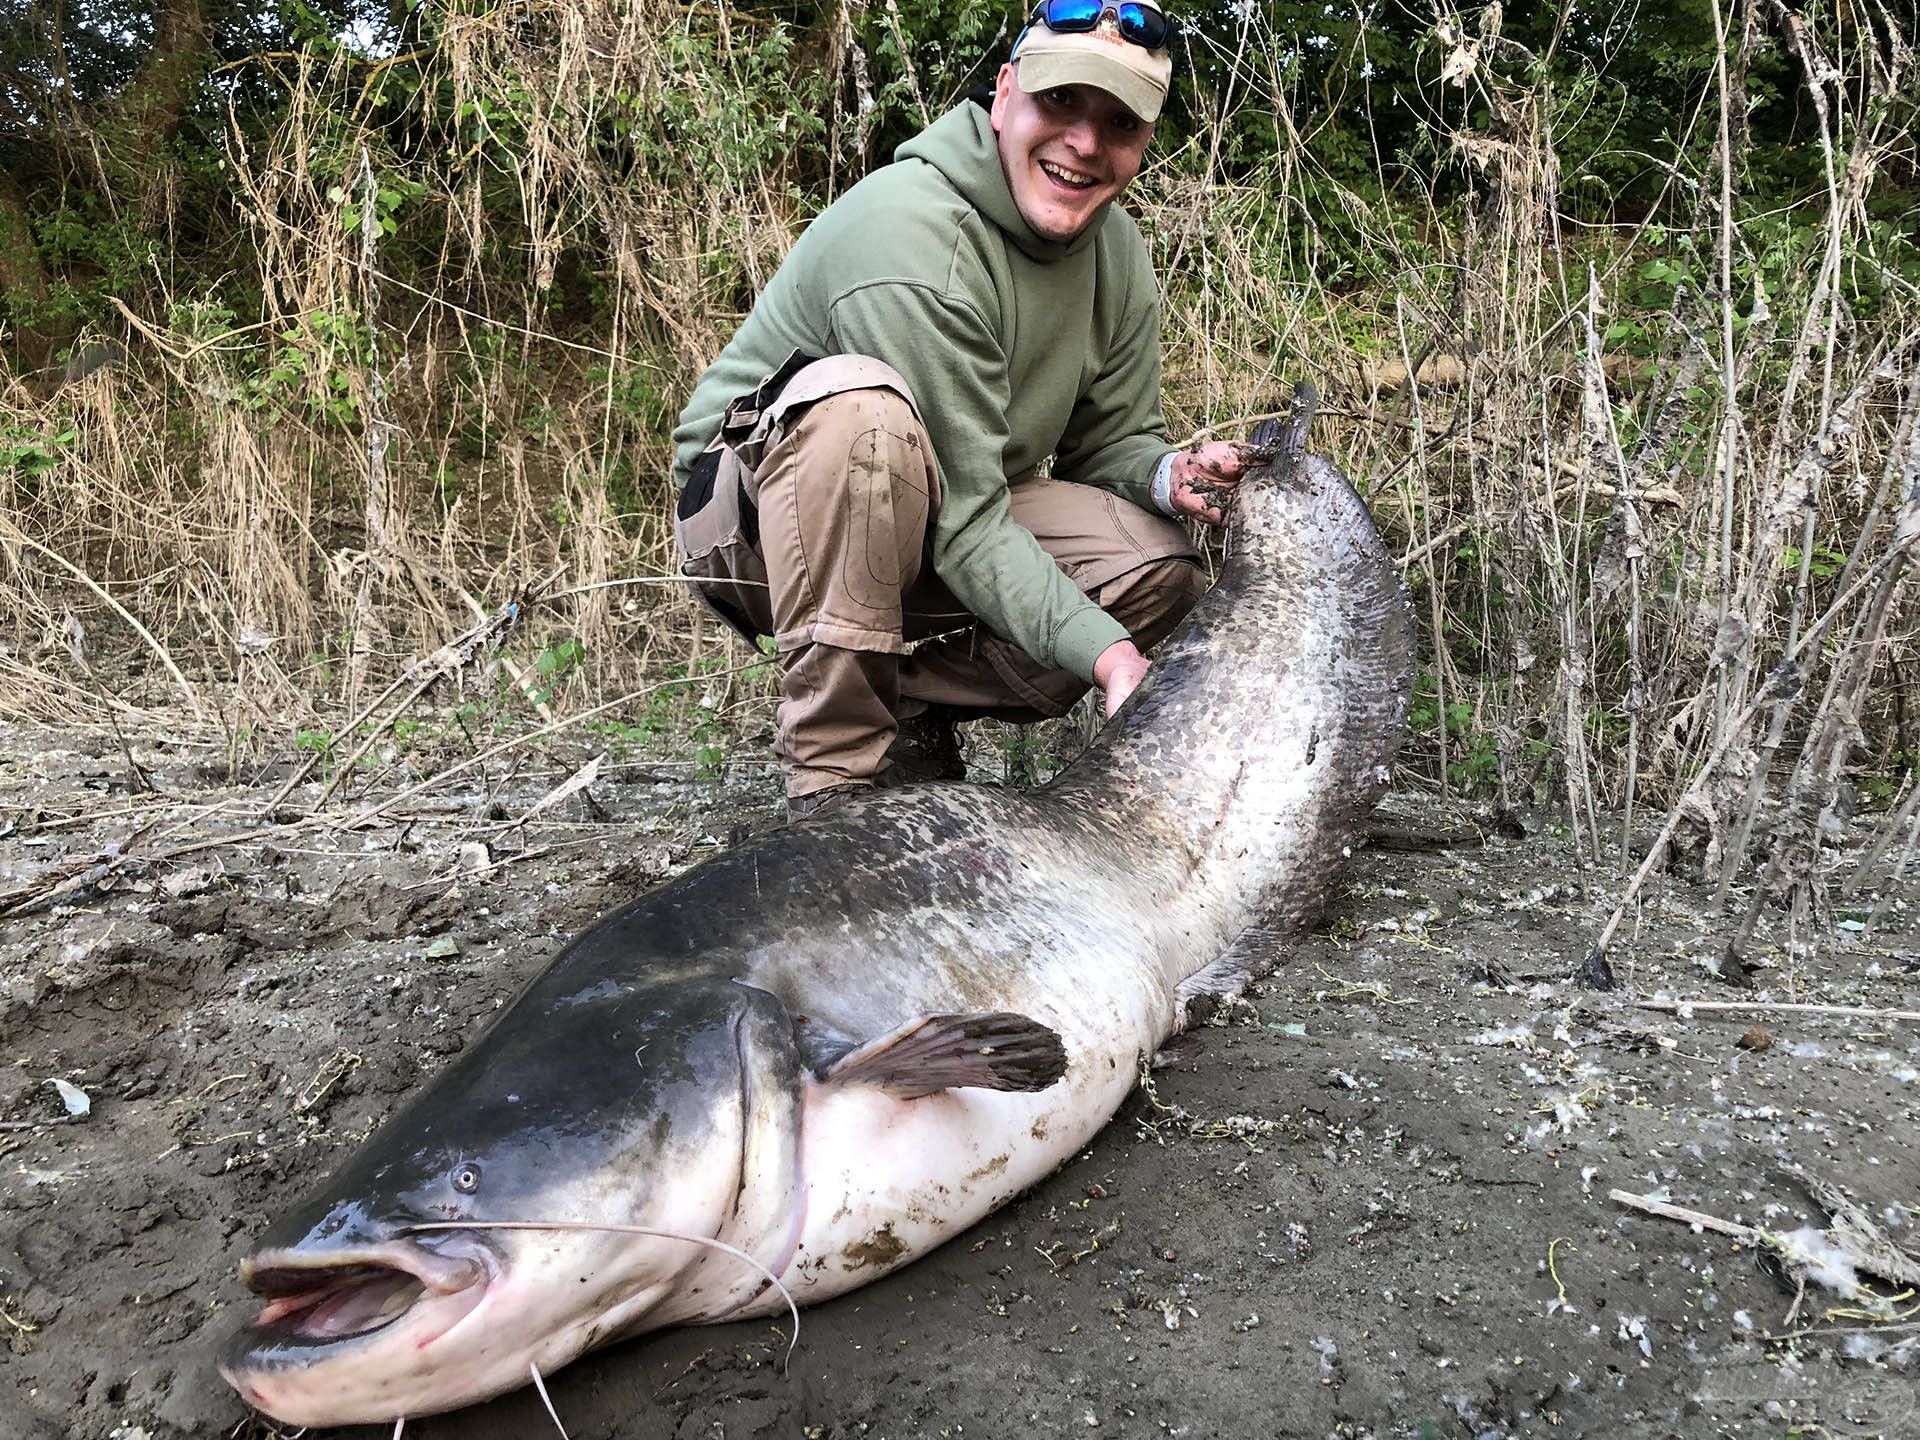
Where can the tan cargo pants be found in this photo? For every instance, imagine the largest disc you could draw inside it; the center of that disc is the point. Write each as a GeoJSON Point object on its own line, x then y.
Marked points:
{"type": "Point", "coordinates": [815, 532]}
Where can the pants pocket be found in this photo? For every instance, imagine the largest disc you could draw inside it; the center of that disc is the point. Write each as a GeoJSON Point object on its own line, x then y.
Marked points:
{"type": "Point", "coordinates": [719, 553]}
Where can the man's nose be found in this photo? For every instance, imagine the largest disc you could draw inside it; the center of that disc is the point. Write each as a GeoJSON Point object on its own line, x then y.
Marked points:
{"type": "Point", "coordinates": [1083, 136]}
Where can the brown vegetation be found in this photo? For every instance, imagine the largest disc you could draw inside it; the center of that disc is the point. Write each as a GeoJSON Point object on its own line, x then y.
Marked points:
{"type": "Point", "coordinates": [489, 267]}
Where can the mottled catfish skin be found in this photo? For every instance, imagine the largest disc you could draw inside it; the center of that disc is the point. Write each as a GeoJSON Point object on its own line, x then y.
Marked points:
{"type": "Point", "coordinates": [745, 1053]}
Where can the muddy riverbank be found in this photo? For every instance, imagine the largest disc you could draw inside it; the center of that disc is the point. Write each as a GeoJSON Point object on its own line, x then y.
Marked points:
{"type": "Point", "coordinates": [1372, 1200]}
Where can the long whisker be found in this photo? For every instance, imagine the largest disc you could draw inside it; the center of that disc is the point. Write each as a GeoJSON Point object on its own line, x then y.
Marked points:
{"type": "Point", "coordinates": [545, 1400]}
{"type": "Point", "coordinates": [738, 1254]}
{"type": "Point", "coordinates": [399, 1425]}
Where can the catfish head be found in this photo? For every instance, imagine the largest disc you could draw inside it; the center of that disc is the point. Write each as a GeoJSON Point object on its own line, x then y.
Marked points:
{"type": "Point", "coordinates": [667, 1105]}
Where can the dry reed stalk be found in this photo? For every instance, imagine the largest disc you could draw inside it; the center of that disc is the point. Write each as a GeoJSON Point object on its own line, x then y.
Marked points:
{"type": "Point", "coordinates": [1799, 493]}
{"type": "Point", "coordinates": [1434, 593]}
{"type": "Point", "coordinates": [12, 535]}
{"type": "Point", "coordinates": [1721, 557]}
{"type": "Point", "coordinates": [30, 692]}
{"type": "Point", "coordinates": [482, 642]}
{"type": "Point", "coordinates": [1894, 559]}
{"type": "Point", "coordinates": [1623, 551]}
{"type": "Point", "coordinates": [381, 547]}
{"type": "Point", "coordinates": [1736, 773]}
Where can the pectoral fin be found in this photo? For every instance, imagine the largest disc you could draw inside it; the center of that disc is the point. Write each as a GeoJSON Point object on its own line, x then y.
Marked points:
{"type": "Point", "coordinates": [997, 1051]}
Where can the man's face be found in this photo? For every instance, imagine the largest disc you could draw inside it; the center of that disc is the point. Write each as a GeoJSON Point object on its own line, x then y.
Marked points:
{"type": "Point", "coordinates": [1066, 152]}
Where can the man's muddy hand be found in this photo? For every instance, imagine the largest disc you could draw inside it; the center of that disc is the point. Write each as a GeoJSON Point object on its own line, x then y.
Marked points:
{"type": "Point", "coordinates": [1204, 477]}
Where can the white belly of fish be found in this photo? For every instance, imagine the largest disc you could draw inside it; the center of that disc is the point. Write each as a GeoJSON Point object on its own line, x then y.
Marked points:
{"type": "Point", "coordinates": [885, 1180]}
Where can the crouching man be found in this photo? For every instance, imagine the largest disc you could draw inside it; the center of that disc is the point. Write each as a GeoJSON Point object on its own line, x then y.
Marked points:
{"type": "Point", "coordinates": [860, 469]}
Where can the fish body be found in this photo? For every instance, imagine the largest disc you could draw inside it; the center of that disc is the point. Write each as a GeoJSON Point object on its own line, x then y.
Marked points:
{"type": "Point", "coordinates": [837, 1046]}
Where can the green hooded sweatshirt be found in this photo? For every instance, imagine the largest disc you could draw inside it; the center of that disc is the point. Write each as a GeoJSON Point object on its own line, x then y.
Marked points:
{"type": "Point", "coordinates": [1015, 348]}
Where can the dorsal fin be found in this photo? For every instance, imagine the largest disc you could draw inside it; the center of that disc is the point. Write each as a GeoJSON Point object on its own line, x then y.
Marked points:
{"type": "Point", "coordinates": [991, 1051]}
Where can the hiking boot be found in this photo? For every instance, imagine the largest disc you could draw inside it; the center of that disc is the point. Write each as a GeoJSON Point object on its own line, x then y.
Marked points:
{"type": "Point", "coordinates": [818, 804]}
{"type": "Point", "coordinates": [925, 748]}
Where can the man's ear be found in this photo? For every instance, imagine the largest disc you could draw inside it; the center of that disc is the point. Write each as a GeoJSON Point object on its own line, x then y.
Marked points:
{"type": "Point", "coordinates": [1002, 92]}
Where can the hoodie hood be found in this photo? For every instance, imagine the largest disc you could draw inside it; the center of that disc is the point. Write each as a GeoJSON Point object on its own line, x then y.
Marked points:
{"type": "Point", "coordinates": [961, 145]}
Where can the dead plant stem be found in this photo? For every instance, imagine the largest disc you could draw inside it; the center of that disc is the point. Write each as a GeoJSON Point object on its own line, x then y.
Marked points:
{"type": "Point", "coordinates": [378, 530]}
{"type": "Point", "coordinates": [1729, 378]}
{"type": "Point", "coordinates": [363, 817]}
{"type": "Point", "coordinates": [1728, 734]}
{"type": "Point", "coordinates": [188, 693]}
{"type": "Point", "coordinates": [1435, 612]}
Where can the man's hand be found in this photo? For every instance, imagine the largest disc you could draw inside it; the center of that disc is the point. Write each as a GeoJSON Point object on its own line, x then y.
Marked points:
{"type": "Point", "coordinates": [1203, 478]}
{"type": "Point", "coordinates": [1119, 671]}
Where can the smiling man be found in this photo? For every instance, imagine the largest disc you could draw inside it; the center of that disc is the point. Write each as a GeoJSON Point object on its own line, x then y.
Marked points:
{"type": "Point", "coordinates": [932, 464]}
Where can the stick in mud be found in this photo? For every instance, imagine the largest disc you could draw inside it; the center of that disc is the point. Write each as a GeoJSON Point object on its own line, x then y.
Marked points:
{"type": "Point", "coordinates": [1865, 1012]}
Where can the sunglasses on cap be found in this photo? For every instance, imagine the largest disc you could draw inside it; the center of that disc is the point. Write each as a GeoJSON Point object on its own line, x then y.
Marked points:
{"type": "Point", "coordinates": [1143, 25]}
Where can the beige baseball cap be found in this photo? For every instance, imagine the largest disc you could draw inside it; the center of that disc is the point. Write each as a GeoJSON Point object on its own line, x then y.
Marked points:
{"type": "Point", "coordinates": [1134, 75]}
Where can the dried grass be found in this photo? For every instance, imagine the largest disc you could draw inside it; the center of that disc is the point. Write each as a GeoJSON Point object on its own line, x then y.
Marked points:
{"type": "Point", "coordinates": [1616, 562]}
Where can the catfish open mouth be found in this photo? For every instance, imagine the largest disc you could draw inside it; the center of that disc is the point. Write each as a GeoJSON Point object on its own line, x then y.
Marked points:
{"type": "Point", "coordinates": [332, 1303]}
{"type": "Point", "coordinates": [346, 1295]}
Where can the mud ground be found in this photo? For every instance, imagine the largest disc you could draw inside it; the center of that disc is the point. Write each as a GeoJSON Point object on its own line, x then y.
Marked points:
{"type": "Point", "coordinates": [1372, 1201]}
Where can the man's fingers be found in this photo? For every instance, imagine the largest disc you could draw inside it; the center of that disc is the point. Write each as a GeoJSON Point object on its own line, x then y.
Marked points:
{"type": "Point", "coordinates": [1123, 679]}
{"type": "Point", "coordinates": [1222, 463]}
{"type": "Point", "coordinates": [1204, 499]}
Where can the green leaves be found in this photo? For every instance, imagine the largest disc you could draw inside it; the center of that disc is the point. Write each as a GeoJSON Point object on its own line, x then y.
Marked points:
{"type": "Point", "coordinates": [1473, 756]}
{"type": "Point", "coordinates": [389, 195]}
{"type": "Point", "coordinates": [32, 453]}
{"type": "Point", "coordinates": [552, 666]}
{"type": "Point", "coordinates": [1822, 564]}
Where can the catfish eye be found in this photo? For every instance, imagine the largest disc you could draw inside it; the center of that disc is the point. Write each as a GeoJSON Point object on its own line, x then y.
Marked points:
{"type": "Point", "coordinates": [466, 1179]}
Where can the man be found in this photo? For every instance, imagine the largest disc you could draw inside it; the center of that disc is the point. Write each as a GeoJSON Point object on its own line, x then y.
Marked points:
{"type": "Point", "coordinates": [859, 467]}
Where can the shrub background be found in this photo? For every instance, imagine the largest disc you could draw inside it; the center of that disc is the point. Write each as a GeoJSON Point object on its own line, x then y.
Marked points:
{"type": "Point", "coordinates": [329, 328]}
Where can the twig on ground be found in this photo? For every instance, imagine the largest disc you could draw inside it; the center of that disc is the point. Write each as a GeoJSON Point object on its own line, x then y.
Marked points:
{"type": "Point", "coordinates": [1864, 1012]}
{"type": "Point", "coordinates": [1668, 1211]}
{"type": "Point", "coordinates": [1850, 1243]}
{"type": "Point", "coordinates": [355, 821]}
{"type": "Point", "coordinates": [488, 636]}
{"type": "Point", "coordinates": [83, 818]}
{"type": "Point", "coordinates": [92, 869]}
{"type": "Point", "coordinates": [526, 599]}
{"type": "Point", "coordinates": [579, 780]}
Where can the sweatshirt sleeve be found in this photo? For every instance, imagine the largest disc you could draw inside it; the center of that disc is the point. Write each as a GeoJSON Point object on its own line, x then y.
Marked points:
{"type": "Point", "coordinates": [957, 371]}
{"type": "Point", "coordinates": [1117, 435]}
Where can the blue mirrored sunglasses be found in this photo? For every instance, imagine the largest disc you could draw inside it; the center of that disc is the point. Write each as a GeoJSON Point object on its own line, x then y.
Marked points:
{"type": "Point", "coordinates": [1144, 25]}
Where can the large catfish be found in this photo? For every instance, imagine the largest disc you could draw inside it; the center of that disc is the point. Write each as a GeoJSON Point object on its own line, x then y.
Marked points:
{"type": "Point", "coordinates": [829, 1050]}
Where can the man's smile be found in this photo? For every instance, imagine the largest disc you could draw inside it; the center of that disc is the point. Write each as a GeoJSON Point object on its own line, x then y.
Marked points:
{"type": "Point", "coordinates": [1072, 179]}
